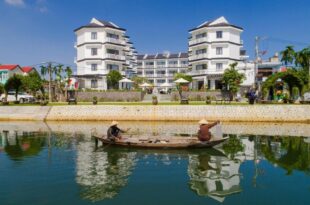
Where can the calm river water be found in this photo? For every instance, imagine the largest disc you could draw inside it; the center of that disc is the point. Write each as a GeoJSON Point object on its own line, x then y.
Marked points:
{"type": "Point", "coordinates": [58, 163]}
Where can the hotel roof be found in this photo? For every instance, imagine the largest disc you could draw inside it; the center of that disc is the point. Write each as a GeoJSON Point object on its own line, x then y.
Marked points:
{"type": "Point", "coordinates": [219, 22]}
{"type": "Point", "coordinates": [95, 23]}
{"type": "Point", "coordinates": [162, 56]}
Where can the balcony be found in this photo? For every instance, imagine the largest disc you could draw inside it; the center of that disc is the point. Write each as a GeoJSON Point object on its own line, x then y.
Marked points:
{"type": "Point", "coordinates": [197, 72]}
{"type": "Point", "coordinates": [160, 75]}
{"type": "Point", "coordinates": [198, 40]}
{"type": "Point", "coordinates": [199, 56]}
{"type": "Point", "coordinates": [161, 66]}
{"type": "Point", "coordinates": [114, 40]}
{"type": "Point", "coordinates": [113, 56]}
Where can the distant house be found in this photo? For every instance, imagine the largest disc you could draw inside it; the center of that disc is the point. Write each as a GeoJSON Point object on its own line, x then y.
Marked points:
{"type": "Point", "coordinates": [28, 69]}
{"type": "Point", "coordinates": [7, 71]}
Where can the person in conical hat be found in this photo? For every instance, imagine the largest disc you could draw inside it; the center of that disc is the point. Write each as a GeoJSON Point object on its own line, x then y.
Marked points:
{"type": "Point", "coordinates": [204, 133]}
{"type": "Point", "coordinates": [114, 133]}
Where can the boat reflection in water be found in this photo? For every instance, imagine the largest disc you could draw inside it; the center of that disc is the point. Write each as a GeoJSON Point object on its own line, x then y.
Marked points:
{"type": "Point", "coordinates": [214, 176]}
{"type": "Point", "coordinates": [102, 174]}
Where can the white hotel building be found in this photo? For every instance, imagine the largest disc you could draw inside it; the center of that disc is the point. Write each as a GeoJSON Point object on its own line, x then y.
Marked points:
{"type": "Point", "coordinates": [161, 68]}
{"type": "Point", "coordinates": [213, 46]}
{"type": "Point", "coordinates": [103, 46]}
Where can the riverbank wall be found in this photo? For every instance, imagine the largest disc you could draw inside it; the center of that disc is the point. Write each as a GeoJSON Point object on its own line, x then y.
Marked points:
{"type": "Point", "coordinates": [226, 113]}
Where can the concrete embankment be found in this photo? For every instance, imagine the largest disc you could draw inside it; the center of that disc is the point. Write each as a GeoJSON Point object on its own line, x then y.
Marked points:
{"type": "Point", "coordinates": [229, 113]}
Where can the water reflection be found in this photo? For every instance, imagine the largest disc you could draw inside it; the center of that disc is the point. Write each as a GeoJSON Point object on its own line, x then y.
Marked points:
{"type": "Point", "coordinates": [214, 175]}
{"type": "Point", "coordinates": [102, 174]}
{"type": "Point", "coordinates": [19, 147]}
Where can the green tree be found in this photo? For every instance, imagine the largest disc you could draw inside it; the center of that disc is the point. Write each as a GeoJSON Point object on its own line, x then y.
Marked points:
{"type": "Point", "coordinates": [49, 70]}
{"type": "Point", "coordinates": [15, 83]}
{"type": "Point", "coordinates": [113, 77]}
{"type": "Point", "coordinates": [137, 80]}
{"type": "Point", "coordinates": [1, 88]}
{"type": "Point", "coordinates": [232, 78]}
{"type": "Point", "coordinates": [32, 82]}
{"type": "Point", "coordinates": [288, 55]}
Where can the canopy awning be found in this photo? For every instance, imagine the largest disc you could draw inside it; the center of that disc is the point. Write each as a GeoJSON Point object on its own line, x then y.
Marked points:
{"type": "Point", "coordinates": [125, 80]}
{"type": "Point", "coordinates": [181, 80]}
{"type": "Point", "coordinates": [145, 85]}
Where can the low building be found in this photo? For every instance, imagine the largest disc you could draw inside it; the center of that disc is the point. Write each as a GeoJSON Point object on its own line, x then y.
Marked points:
{"type": "Point", "coordinates": [28, 69]}
{"type": "Point", "coordinates": [161, 68]}
{"type": "Point", "coordinates": [6, 71]}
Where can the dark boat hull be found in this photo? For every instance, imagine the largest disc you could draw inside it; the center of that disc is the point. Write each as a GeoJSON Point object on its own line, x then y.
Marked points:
{"type": "Point", "coordinates": [168, 145]}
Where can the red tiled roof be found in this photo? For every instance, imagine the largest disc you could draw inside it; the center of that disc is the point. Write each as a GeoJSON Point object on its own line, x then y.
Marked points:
{"type": "Point", "coordinates": [27, 69]}
{"type": "Point", "coordinates": [8, 67]}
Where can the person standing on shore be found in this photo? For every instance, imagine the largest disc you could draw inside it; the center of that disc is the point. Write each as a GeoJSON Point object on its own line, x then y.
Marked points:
{"type": "Point", "coordinates": [204, 133]}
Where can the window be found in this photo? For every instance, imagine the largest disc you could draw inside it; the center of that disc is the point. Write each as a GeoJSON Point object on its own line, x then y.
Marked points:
{"type": "Point", "coordinates": [139, 63]}
{"type": "Point", "coordinates": [94, 83]}
{"type": "Point", "coordinates": [161, 81]}
{"type": "Point", "coordinates": [149, 63]}
{"type": "Point", "coordinates": [171, 80]}
{"type": "Point", "coordinates": [139, 73]}
{"type": "Point", "coordinates": [173, 62]}
{"type": "Point", "coordinates": [184, 62]}
{"type": "Point", "coordinates": [93, 35]}
{"type": "Point", "coordinates": [172, 72]}
{"type": "Point", "coordinates": [201, 67]}
{"type": "Point", "coordinates": [219, 34]}
{"type": "Point", "coordinates": [93, 67]}
{"type": "Point", "coordinates": [161, 63]}
{"type": "Point", "coordinates": [148, 72]}
{"type": "Point", "coordinates": [151, 81]}
{"type": "Point", "coordinates": [162, 72]}
{"type": "Point", "coordinates": [219, 66]}
{"type": "Point", "coordinates": [219, 50]}
{"type": "Point", "coordinates": [111, 35]}
{"type": "Point", "coordinates": [112, 51]}
{"type": "Point", "coordinates": [201, 35]}
{"type": "Point", "coordinates": [201, 51]}
{"type": "Point", "coordinates": [112, 67]}
{"type": "Point", "coordinates": [94, 51]}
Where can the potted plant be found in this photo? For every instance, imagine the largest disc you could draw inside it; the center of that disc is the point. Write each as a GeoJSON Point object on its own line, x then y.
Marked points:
{"type": "Point", "coordinates": [208, 99]}
{"type": "Point", "coordinates": [95, 100]}
{"type": "Point", "coordinates": [285, 98]}
{"type": "Point", "coordinates": [154, 100]}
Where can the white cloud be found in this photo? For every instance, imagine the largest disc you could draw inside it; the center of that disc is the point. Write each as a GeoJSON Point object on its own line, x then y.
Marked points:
{"type": "Point", "coordinates": [15, 2]}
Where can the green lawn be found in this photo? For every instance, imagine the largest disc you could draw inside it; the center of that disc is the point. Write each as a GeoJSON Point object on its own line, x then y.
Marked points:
{"type": "Point", "coordinates": [145, 103]}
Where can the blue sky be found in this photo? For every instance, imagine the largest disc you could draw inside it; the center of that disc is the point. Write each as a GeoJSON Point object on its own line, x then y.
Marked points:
{"type": "Point", "coordinates": [34, 31]}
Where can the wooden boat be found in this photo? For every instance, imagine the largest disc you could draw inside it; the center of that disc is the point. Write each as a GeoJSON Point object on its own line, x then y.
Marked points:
{"type": "Point", "coordinates": [159, 143]}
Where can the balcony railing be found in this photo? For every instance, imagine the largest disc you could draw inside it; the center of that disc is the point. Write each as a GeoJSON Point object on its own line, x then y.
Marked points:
{"type": "Point", "coordinates": [198, 40]}
{"type": "Point", "coordinates": [113, 56]}
{"type": "Point", "coordinates": [199, 56]}
{"type": "Point", "coordinates": [197, 72]}
{"type": "Point", "coordinates": [114, 40]}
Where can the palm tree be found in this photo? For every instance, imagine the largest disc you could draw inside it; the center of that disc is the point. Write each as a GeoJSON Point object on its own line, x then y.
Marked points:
{"type": "Point", "coordinates": [50, 70]}
{"type": "Point", "coordinates": [15, 83]}
{"type": "Point", "coordinates": [288, 55]}
{"type": "Point", "coordinates": [303, 59]}
{"type": "Point", "coordinates": [68, 72]}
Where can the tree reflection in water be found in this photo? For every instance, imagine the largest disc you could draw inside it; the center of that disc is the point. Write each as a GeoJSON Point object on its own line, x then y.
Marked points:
{"type": "Point", "coordinates": [20, 147]}
{"type": "Point", "coordinates": [290, 153]}
{"type": "Point", "coordinates": [102, 174]}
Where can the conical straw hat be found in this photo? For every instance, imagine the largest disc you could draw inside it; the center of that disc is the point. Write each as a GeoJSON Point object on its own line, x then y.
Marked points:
{"type": "Point", "coordinates": [114, 123]}
{"type": "Point", "coordinates": [203, 122]}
